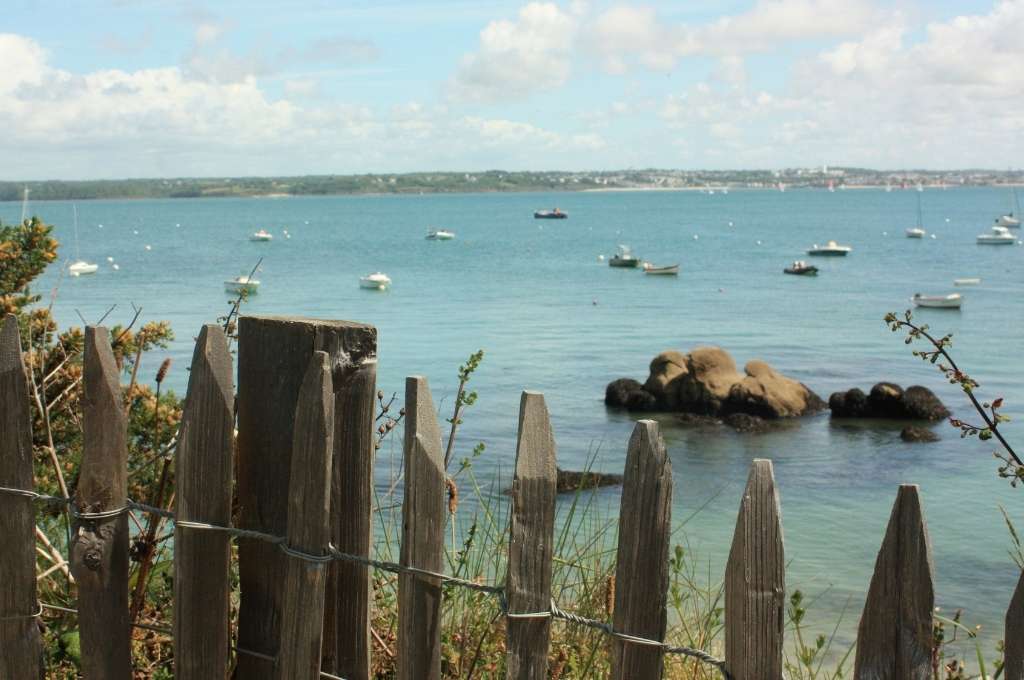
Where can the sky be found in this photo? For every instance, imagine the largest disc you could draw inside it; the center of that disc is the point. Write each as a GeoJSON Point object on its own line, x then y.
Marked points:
{"type": "Point", "coordinates": [146, 88]}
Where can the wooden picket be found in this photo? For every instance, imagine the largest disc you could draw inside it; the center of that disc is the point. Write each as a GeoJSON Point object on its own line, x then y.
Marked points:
{"type": "Point", "coordinates": [641, 573]}
{"type": "Point", "coordinates": [22, 655]}
{"type": "Point", "coordinates": [894, 639]}
{"type": "Point", "coordinates": [755, 587]}
{"type": "Point", "coordinates": [531, 541]}
{"type": "Point", "coordinates": [203, 471]}
{"type": "Point", "coordinates": [99, 547]}
{"type": "Point", "coordinates": [423, 517]}
{"type": "Point", "coordinates": [309, 526]}
{"type": "Point", "coordinates": [305, 473]}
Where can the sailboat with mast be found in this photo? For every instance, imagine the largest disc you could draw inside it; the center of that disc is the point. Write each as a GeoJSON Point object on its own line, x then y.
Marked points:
{"type": "Point", "coordinates": [918, 231]}
{"type": "Point", "coordinates": [80, 266]}
{"type": "Point", "coordinates": [1012, 218]}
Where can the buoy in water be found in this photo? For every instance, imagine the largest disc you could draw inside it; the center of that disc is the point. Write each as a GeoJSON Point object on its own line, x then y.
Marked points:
{"type": "Point", "coordinates": [110, 259]}
{"type": "Point", "coordinates": [149, 247]}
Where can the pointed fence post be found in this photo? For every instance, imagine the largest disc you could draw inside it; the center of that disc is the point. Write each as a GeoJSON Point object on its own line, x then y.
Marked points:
{"type": "Point", "coordinates": [203, 472]}
{"type": "Point", "coordinates": [641, 572]}
{"type": "Point", "coordinates": [346, 646]}
{"type": "Point", "coordinates": [273, 355]}
{"type": "Point", "coordinates": [99, 547]}
{"type": "Point", "coordinates": [894, 639]}
{"type": "Point", "coordinates": [22, 651]}
{"type": "Point", "coordinates": [309, 525]}
{"type": "Point", "coordinates": [1013, 656]}
{"type": "Point", "coordinates": [755, 582]}
{"type": "Point", "coordinates": [423, 519]}
{"type": "Point", "coordinates": [531, 541]}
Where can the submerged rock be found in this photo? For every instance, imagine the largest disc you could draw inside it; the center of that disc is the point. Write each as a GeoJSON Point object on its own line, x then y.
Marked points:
{"type": "Point", "coordinates": [569, 481]}
{"type": "Point", "coordinates": [888, 400]}
{"type": "Point", "coordinates": [912, 433]}
{"type": "Point", "coordinates": [706, 382]}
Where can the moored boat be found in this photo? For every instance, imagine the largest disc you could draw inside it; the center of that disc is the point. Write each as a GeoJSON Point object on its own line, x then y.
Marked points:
{"type": "Point", "coordinates": [968, 281]}
{"type": "Point", "coordinates": [555, 214]}
{"type": "Point", "coordinates": [1011, 218]}
{"type": "Point", "coordinates": [82, 267]}
{"type": "Point", "coordinates": [440, 235]}
{"type": "Point", "coordinates": [261, 235]}
{"type": "Point", "coordinates": [654, 270]}
{"type": "Point", "coordinates": [951, 301]}
{"type": "Point", "coordinates": [624, 258]}
{"type": "Point", "coordinates": [997, 236]}
{"type": "Point", "coordinates": [242, 284]}
{"type": "Point", "coordinates": [801, 268]}
{"type": "Point", "coordinates": [915, 232]}
{"type": "Point", "coordinates": [375, 281]}
{"type": "Point", "coordinates": [830, 249]}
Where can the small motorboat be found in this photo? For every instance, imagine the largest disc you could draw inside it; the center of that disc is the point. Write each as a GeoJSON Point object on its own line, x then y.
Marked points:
{"type": "Point", "coordinates": [1008, 220]}
{"type": "Point", "coordinates": [555, 214]}
{"type": "Point", "coordinates": [951, 301]}
{"type": "Point", "coordinates": [624, 258]}
{"type": "Point", "coordinates": [242, 285]}
{"type": "Point", "coordinates": [972, 281]}
{"type": "Point", "coordinates": [82, 267]}
{"type": "Point", "coordinates": [440, 235]}
{"type": "Point", "coordinates": [830, 249]}
{"type": "Point", "coordinates": [375, 281]}
{"type": "Point", "coordinates": [801, 268]}
{"type": "Point", "coordinates": [654, 270]}
{"type": "Point", "coordinates": [997, 236]}
{"type": "Point", "coordinates": [916, 232]}
{"type": "Point", "coordinates": [261, 235]}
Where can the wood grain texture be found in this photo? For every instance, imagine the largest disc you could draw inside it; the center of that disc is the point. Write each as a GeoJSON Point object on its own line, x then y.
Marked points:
{"type": "Point", "coordinates": [309, 525]}
{"type": "Point", "coordinates": [894, 639]}
{"type": "Point", "coordinates": [641, 572]}
{"type": "Point", "coordinates": [21, 651]}
{"type": "Point", "coordinates": [423, 520]}
{"type": "Point", "coordinates": [203, 474]}
{"type": "Point", "coordinates": [531, 541]}
{"type": "Point", "coordinates": [99, 548]}
{"type": "Point", "coordinates": [755, 587]}
{"type": "Point", "coordinates": [273, 354]}
{"type": "Point", "coordinates": [346, 647]}
{"type": "Point", "coordinates": [1013, 656]}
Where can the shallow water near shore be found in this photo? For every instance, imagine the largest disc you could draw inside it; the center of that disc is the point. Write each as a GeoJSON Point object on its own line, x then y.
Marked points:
{"type": "Point", "coordinates": [551, 317]}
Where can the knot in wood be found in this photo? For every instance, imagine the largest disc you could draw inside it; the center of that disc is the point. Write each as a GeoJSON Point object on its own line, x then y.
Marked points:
{"type": "Point", "coordinates": [92, 559]}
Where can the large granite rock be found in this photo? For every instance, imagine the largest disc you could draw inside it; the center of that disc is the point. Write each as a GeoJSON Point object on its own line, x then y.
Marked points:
{"type": "Point", "coordinates": [888, 400]}
{"type": "Point", "coordinates": [706, 382]}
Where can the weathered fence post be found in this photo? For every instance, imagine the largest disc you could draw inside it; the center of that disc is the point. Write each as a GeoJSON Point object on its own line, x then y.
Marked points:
{"type": "Point", "coordinates": [423, 518]}
{"type": "Point", "coordinates": [203, 472]}
{"type": "Point", "coordinates": [346, 646]}
{"type": "Point", "coordinates": [21, 651]}
{"type": "Point", "coordinates": [1013, 635]}
{"type": "Point", "coordinates": [99, 545]}
{"type": "Point", "coordinates": [755, 582]}
{"type": "Point", "coordinates": [894, 639]}
{"type": "Point", "coordinates": [531, 541]}
{"type": "Point", "coordinates": [309, 525]}
{"type": "Point", "coordinates": [641, 572]}
{"type": "Point", "coordinates": [273, 354]}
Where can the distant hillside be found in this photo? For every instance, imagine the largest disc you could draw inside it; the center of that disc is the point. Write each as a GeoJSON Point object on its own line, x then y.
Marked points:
{"type": "Point", "coordinates": [494, 180]}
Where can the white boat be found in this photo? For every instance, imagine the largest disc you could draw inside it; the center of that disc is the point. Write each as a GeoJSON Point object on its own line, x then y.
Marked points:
{"type": "Point", "coordinates": [916, 232]}
{"type": "Point", "coordinates": [440, 235]}
{"type": "Point", "coordinates": [1010, 219]}
{"type": "Point", "coordinates": [375, 281]}
{"type": "Point", "coordinates": [242, 284]}
{"type": "Point", "coordinates": [971, 281]}
{"type": "Point", "coordinates": [261, 235]}
{"type": "Point", "coordinates": [80, 266]}
{"type": "Point", "coordinates": [830, 249]}
{"type": "Point", "coordinates": [997, 236]}
{"type": "Point", "coordinates": [951, 301]}
{"type": "Point", "coordinates": [668, 270]}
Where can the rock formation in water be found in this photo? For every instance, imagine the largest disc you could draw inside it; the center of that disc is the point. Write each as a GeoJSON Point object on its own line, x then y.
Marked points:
{"type": "Point", "coordinates": [706, 382]}
{"type": "Point", "coordinates": [888, 400]}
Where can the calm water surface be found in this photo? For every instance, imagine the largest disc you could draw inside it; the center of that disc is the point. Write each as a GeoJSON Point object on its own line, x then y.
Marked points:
{"type": "Point", "coordinates": [551, 317]}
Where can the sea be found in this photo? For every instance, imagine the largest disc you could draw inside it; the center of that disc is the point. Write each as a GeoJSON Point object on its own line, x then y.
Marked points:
{"type": "Point", "coordinates": [552, 316]}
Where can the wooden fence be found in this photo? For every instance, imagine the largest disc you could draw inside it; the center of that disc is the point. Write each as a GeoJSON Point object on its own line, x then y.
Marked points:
{"type": "Point", "coordinates": [305, 446]}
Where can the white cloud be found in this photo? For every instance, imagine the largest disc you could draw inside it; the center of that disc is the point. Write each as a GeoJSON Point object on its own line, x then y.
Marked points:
{"type": "Point", "coordinates": [518, 58]}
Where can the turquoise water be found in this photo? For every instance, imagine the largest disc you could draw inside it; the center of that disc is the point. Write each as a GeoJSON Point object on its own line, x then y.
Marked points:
{"type": "Point", "coordinates": [551, 317]}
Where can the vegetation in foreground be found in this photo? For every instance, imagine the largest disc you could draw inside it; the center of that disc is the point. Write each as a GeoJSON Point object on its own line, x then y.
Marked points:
{"type": "Point", "coordinates": [474, 629]}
